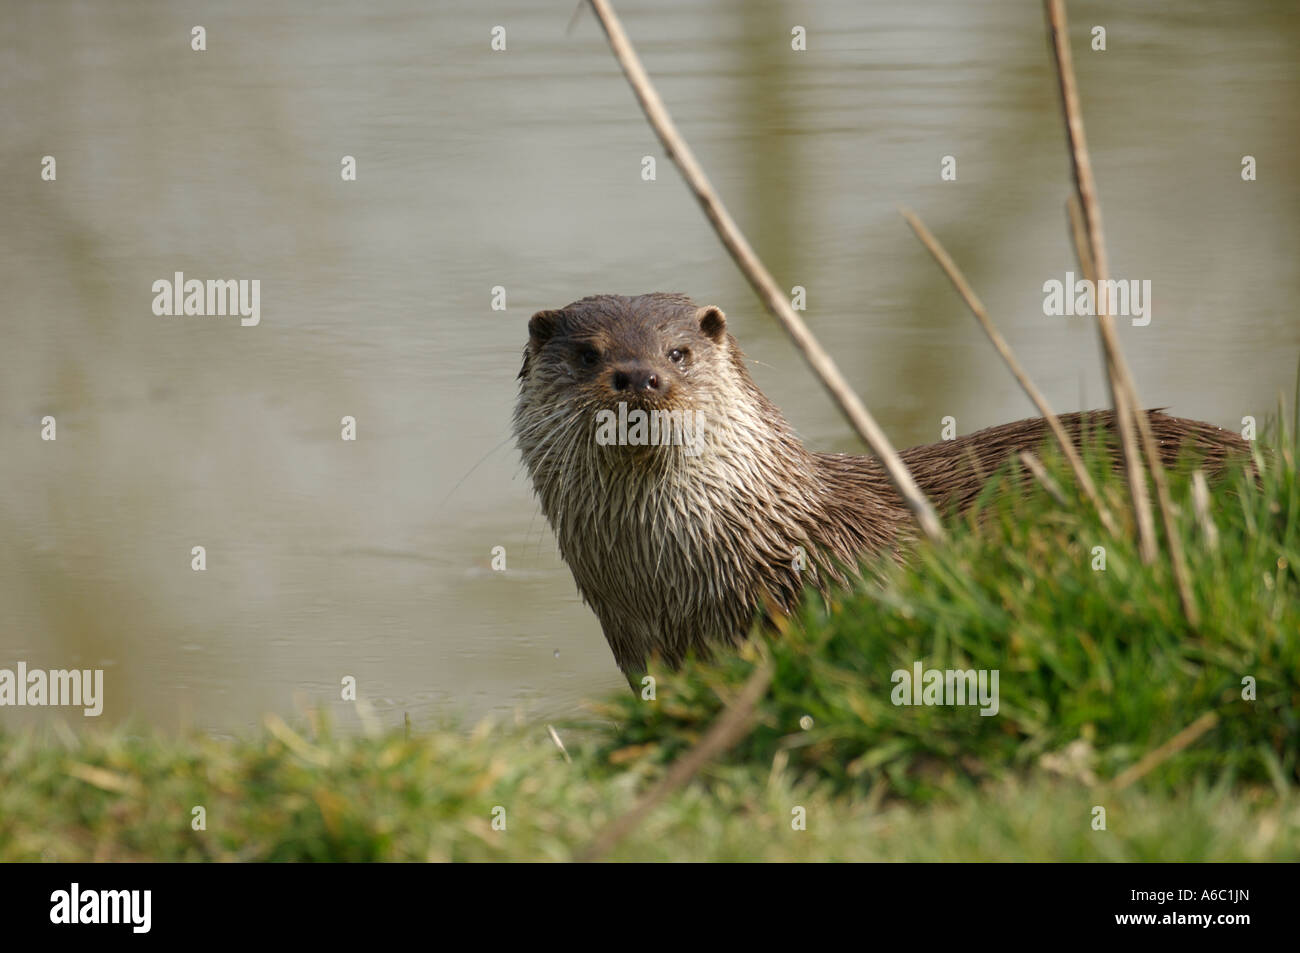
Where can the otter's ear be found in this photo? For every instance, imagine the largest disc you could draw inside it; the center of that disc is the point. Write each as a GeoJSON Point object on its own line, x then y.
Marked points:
{"type": "Point", "coordinates": [542, 325]}
{"type": "Point", "coordinates": [712, 322]}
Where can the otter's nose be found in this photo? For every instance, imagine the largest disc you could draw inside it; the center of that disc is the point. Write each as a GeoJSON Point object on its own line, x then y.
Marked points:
{"type": "Point", "coordinates": [637, 377]}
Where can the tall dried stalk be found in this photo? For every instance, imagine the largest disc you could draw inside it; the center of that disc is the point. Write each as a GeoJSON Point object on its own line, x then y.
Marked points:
{"type": "Point", "coordinates": [1004, 349]}
{"type": "Point", "coordinates": [1121, 396]}
{"type": "Point", "coordinates": [1201, 504]}
{"type": "Point", "coordinates": [758, 276]}
{"type": "Point", "coordinates": [1079, 238]}
{"type": "Point", "coordinates": [727, 730]}
{"type": "Point", "coordinates": [1128, 409]}
{"type": "Point", "coordinates": [1039, 472]}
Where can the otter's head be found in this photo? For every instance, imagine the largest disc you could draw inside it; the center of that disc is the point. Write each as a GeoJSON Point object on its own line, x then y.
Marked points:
{"type": "Point", "coordinates": [652, 350]}
{"type": "Point", "coordinates": [607, 360]}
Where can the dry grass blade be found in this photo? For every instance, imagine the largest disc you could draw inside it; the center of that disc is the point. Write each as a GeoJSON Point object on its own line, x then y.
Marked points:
{"type": "Point", "coordinates": [105, 779]}
{"type": "Point", "coordinates": [758, 276]}
{"type": "Point", "coordinates": [1004, 349]}
{"type": "Point", "coordinates": [732, 725]}
{"type": "Point", "coordinates": [1079, 237]}
{"type": "Point", "coordinates": [300, 746]}
{"type": "Point", "coordinates": [1153, 759]}
{"type": "Point", "coordinates": [1201, 503]}
{"type": "Point", "coordinates": [1035, 466]}
{"type": "Point", "coordinates": [1124, 398]}
{"type": "Point", "coordinates": [555, 736]}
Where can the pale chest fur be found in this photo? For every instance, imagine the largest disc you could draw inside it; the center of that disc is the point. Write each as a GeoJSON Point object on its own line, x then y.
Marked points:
{"type": "Point", "coordinates": [672, 558]}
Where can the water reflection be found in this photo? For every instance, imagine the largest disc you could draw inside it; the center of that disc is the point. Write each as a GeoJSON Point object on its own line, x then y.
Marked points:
{"type": "Point", "coordinates": [521, 169]}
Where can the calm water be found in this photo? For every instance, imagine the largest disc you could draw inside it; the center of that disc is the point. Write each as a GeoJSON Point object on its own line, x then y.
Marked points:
{"type": "Point", "coordinates": [522, 169]}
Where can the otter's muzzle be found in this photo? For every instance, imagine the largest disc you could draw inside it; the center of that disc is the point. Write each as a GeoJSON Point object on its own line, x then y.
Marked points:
{"type": "Point", "coordinates": [639, 380]}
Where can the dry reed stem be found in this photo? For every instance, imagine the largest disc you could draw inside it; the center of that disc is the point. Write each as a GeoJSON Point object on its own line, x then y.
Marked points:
{"type": "Point", "coordinates": [1079, 237]}
{"type": "Point", "coordinates": [758, 276]}
{"type": "Point", "coordinates": [727, 730]}
{"type": "Point", "coordinates": [1128, 409]}
{"type": "Point", "coordinates": [1153, 759]}
{"type": "Point", "coordinates": [1201, 503]}
{"type": "Point", "coordinates": [555, 736]}
{"type": "Point", "coordinates": [1034, 466]}
{"type": "Point", "coordinates": [1004, 349]}
{"type": "Point", "coordinates": [1122, 398]}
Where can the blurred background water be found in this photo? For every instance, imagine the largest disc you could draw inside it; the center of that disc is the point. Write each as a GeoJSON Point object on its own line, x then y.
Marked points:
{"type": "Point", "coordinates": [522, 169]}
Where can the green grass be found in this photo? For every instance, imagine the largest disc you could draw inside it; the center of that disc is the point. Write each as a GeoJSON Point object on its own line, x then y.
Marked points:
{"type": "Point", "coordinates": [1097, 669]}
{"type": "Point", "coordinates": [1102, 661]}
{"type": "Point", "coordinates": [431, 798]}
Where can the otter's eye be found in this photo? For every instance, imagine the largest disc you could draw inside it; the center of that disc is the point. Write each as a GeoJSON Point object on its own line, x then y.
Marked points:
{"type": "Point", "coordinates": [676, 355]}
{"type": "Point", "coordinates": [589, 356]}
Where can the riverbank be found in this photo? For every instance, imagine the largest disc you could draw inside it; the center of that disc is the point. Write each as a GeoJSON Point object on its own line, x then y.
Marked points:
{"type": "Point", "coordinates": [1116, 731]}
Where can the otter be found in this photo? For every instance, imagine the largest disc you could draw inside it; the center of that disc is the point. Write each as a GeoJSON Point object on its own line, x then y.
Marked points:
{"type": "Point", "coordinates": [684, 503]}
